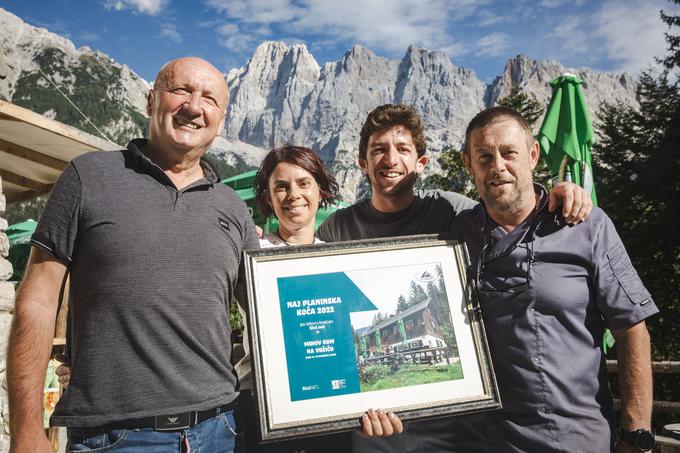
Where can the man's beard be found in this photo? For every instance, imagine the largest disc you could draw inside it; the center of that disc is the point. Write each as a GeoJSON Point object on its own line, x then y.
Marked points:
{"type": "Point", "coordinates": [505, 202]}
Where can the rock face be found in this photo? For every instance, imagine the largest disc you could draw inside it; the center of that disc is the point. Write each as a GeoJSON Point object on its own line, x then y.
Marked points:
{"type": "Point", "coordinates": [282, 95]}
{"type": "Point", "coordinates": [534, 77]}
{"type": "Point", "coordinates": [325, 108]}
{"type": "Point", "coordinates": [110, 94]}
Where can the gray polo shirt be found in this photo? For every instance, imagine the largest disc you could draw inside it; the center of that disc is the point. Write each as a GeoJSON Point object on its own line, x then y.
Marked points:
{"type": "Point", "coordinates": [545, 340]}
{"type": "Point", "coordinates": [153, 270]}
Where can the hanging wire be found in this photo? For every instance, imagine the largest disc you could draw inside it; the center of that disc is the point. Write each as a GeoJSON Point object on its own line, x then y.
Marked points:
{"type": "Point", "coordinates": [75, 106]}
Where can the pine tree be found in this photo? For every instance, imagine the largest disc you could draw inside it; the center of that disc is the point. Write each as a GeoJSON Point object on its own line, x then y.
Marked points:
{"type": "Point", "coordinates": [416, 294]}
{"type": "Point", "coordinates": [638, 164]}
{"type": "Point", "coordinates": [377, 319]}
{"type": "Point", "coordinates": [402, 305]}
{"type": "Point", "coordinates": [526, 105]}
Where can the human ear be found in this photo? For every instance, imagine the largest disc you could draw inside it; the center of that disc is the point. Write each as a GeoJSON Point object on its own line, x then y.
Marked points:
{"type": "Point", "coordinates": [467, 163]}
{"type": "Point", "coordinates": [363, 166]}
{"type": "Point", "coordinates": [421, 162]}
{"type": "Point", "coordinates": [534, 154]}
{"type": "Point", "coordinates": [149, 102]}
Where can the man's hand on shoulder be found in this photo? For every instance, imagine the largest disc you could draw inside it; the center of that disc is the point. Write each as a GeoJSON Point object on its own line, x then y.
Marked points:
{"type": "Point", "coordinates": [576, 202]}
{"type": "Point", "coordinates": [63, 371]}
{"type": "Point", "coordinates": [376, 423]}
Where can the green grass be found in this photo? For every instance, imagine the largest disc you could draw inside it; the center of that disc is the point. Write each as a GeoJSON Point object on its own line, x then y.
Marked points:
{"type": "Point", "coordinates": [409, 375]}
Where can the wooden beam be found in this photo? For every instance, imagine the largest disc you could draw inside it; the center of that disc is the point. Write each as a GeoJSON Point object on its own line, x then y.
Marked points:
{"type": "Point", "coordinates": [14, 112]}
{"type": "Point", "coordinates": [665, 407]}
{"type": "Point", "coordinates": [662, 367]}
{"type": "Point", "coordinates": [23, 181]}
{"type": "Point", "coordinates": [32, 155]}
{"type": "Point", "coordinates": [22, 196]}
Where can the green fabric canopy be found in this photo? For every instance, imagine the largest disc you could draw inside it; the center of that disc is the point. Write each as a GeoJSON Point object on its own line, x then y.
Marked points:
{"type": "Point", "coordinates": [566, 136]}
{"type": "Point", "coordinates": [402, 331]}
{"type": "Point", "coordinates": [378, 342]}
{"type": "Point", "coordinates": [19, 236]}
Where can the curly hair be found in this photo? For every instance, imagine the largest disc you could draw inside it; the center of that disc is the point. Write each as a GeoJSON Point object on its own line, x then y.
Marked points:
{"type": "Point", "coordinates": [304, 158]}
{"type": "Point", "coordinates": [390, 115]}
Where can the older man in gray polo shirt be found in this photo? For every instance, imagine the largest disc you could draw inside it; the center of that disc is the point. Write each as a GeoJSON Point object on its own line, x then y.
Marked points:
{"type": "Point", "coordinates": [547, 292]}
{"type": "Point", "coordinates": [153, 245]}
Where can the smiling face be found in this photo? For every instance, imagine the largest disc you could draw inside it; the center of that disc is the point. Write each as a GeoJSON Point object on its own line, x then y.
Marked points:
{"type": "Point", "coordinates": [392, 165]}
{"type": "Point", "coordinates": [501, 161]}
{"type": "Point", "coordinates": [294, 196]}
{"type": "Point", "coordinates": [187, 106]}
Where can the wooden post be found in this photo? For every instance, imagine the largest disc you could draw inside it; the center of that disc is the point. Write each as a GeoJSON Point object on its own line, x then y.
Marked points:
{"type": "Point", "coordinates": [59, 347]}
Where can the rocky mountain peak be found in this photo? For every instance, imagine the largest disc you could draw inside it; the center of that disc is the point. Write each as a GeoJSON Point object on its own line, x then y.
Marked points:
{"type": "Point", "coordinates": [32, 59]}
{"type": "Point", "coordinates": [534, 77]}
{"type": "Point", "coordinates": [281, 95]}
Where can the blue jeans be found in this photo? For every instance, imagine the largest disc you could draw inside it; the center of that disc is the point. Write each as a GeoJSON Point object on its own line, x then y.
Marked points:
{"type": "Point", "coordinates": [216, 435]}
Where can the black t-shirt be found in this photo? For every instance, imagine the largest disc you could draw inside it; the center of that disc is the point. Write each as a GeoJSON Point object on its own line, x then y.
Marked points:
{"type": "Point", "coordinates": [430, 213]}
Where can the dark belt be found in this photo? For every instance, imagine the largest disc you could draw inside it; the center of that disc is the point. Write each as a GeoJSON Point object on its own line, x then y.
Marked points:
{"type": "Point", "coordinates": [169, 422]}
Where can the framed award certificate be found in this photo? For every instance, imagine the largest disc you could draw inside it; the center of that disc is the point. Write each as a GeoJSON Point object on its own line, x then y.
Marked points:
{"type": "Point", "coordinates": [336, 329]}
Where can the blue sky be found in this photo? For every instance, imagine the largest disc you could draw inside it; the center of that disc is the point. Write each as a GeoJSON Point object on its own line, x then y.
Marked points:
{"type": "Point", "coordinates": [612, 35]}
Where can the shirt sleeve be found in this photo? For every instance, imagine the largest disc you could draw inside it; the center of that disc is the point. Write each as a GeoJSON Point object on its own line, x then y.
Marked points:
{"type": "Point", "coordinates": [58, 226]}
{"type": "Point", "coordinates": [622, 298]}
{"type": "Point", "coordinates": [250, 239]}
{"type": "Point", "coordinates": [459, 202]}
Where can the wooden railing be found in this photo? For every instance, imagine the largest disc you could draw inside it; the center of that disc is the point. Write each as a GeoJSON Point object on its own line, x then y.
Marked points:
{"type": "Point", "coordinates": [665, 367]}
{"type": "Point", "coordinates": [665, 443]}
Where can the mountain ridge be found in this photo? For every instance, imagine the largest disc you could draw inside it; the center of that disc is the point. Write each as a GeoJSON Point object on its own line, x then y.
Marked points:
{"type": "Point", "coordinates": [283, 95]}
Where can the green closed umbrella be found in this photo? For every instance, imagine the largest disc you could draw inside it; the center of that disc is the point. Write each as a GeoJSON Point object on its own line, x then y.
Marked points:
{"type": "Point", "coordinates": [402, 331]}
{"type": "Point", "coordinates": [362, 344]}
{"type": "Point", "coordinates": [566, 136]}
{"type": "Point", "coordinates": [378, 342]}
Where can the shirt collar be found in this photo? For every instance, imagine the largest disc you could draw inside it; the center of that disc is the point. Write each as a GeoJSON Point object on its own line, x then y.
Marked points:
{"type": "Point", "coordinates": [135, 148]}
{"type": "Point", "coordinates": [501, 243]}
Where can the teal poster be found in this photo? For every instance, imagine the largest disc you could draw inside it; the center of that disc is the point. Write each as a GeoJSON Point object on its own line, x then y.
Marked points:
{"type": "Point", "coordinates": [318, 334]}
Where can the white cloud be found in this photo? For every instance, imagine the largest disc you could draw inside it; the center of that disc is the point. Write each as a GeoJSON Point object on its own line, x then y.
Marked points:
{"type": "Point", "coordinates": [169, 30]}
{"type": "Point", "coordinates": [488, 18]}
{"type": "Point", "coordinates": [573, 34]}
{"type": "Point", "coordinates": [493, 45]}
{"type": "Point", "coordinates": [89, 36]}
{"type": "Point", "coordinates": [388, 26]}
{"type": "Point", "coordinates": [632, 32]}
{"type": "Point", "coordinates": [227, 29]}
{"type": "Point", "coordinates": [151, 7]}
{"type": "Point", "coordinates": [557, 3]}
{"type": "Point", "coordinates": [231, 37]}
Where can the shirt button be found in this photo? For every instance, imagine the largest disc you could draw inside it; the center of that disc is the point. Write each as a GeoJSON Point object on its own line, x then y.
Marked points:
{"type": "Point", "coordinates": [532, 311]}
{"type": "Point", "coordinates": [536, 360]}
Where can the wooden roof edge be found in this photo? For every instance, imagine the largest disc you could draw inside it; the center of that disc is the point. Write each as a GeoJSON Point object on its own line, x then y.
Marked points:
{"type": "Point", "coordinates": [14, 112]}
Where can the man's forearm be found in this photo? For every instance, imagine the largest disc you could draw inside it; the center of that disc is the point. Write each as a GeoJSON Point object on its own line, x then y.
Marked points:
{"type": "Point", "coordinates": [635, 376]}
{"type": "Point", "coordinates": [30, 344]}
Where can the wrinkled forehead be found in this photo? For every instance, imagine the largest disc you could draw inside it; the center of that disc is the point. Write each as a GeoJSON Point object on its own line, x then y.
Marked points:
{"type": "Point", "coordinates": [196, 73]}
{"type": "Point", "coordinates": [503, 131]}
